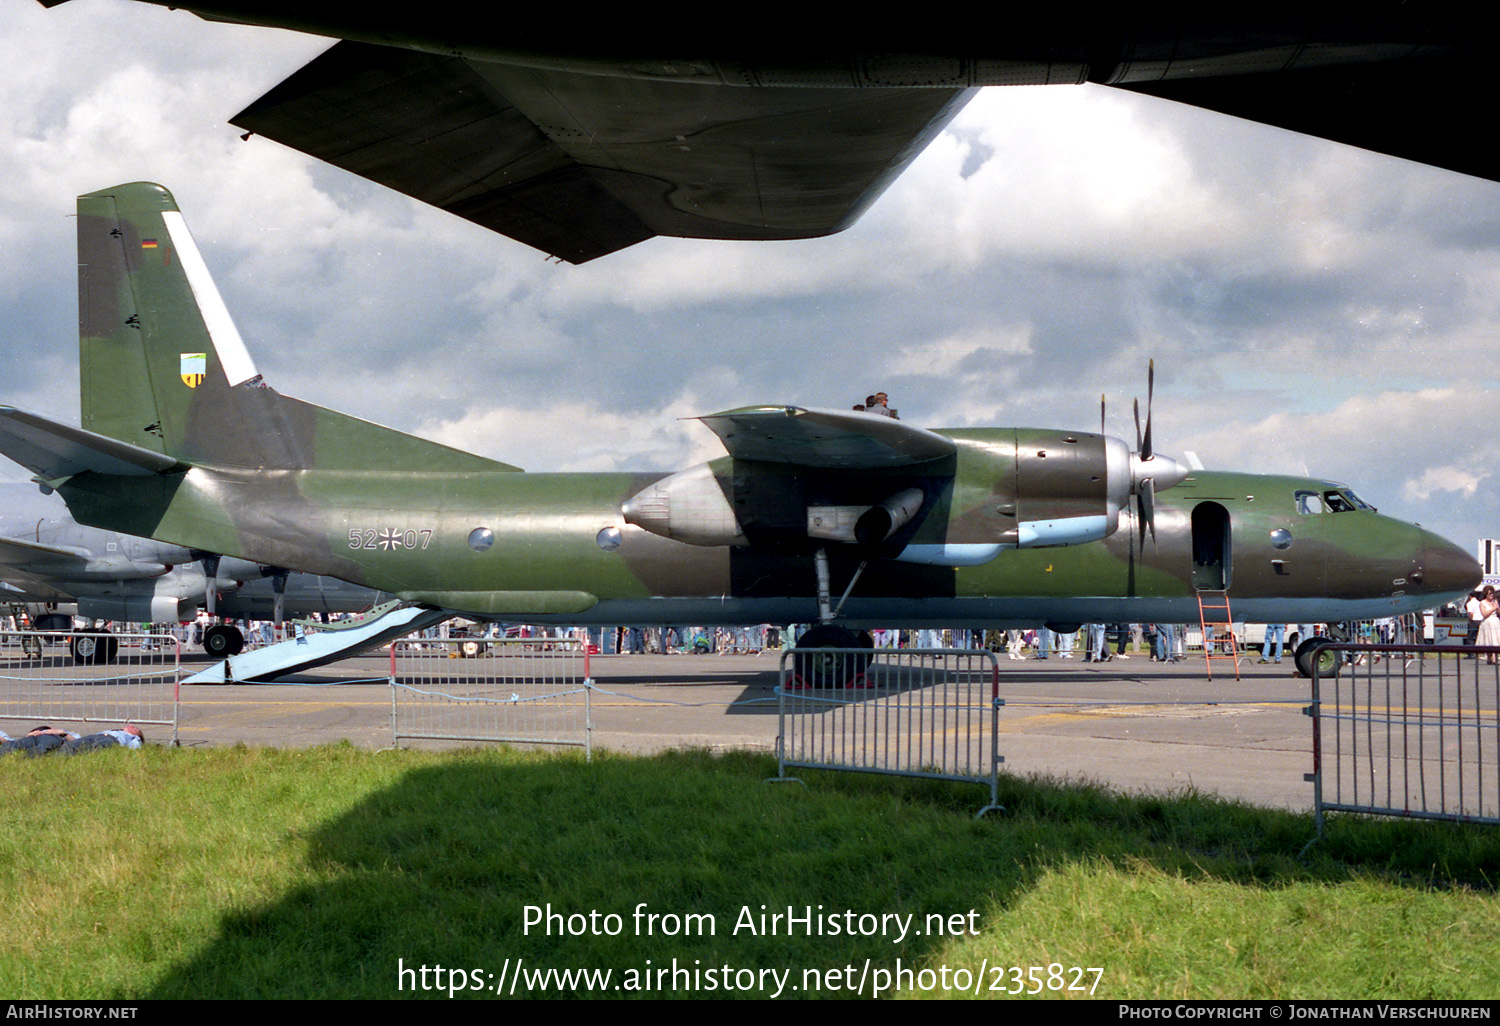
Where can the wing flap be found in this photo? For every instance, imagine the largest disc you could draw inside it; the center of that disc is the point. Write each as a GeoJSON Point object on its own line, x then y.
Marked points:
{"type": "Point", "coordinates": [825, 438]}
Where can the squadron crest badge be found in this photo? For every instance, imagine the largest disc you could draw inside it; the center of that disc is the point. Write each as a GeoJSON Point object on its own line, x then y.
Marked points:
{"type": "Point", "coordinates": [193, 368]}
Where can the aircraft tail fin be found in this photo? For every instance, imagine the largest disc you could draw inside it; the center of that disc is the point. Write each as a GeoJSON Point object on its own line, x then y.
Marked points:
{"type": "Point", "coordinates": [163, 367]}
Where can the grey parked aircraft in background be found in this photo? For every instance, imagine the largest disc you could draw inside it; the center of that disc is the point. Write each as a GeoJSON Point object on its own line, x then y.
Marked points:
{"type": "Point", "coordinates": [54, 562]}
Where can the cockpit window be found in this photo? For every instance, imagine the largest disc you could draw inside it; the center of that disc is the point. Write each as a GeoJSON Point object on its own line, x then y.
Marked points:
{"type": "Point", "coordinates": [1359, 503]}
{"type": "Point", "coordinates": [1343, 500]}
{"type": "Point", "coordinates": [1334, 500]}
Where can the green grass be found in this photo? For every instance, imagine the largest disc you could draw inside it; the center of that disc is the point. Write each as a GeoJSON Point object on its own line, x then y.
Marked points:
{"type": "Point", "coordinates": [273, 873]}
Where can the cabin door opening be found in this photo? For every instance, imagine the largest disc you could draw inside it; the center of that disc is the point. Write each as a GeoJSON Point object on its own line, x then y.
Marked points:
{"type": "Point", "coordinates": [1211, 562]}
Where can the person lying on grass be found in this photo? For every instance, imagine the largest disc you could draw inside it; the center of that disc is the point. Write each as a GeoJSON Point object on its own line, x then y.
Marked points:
{"type": "Point", "coordinates": [128, 736]}
{"type": "Point", "coordinates": [35, 742]}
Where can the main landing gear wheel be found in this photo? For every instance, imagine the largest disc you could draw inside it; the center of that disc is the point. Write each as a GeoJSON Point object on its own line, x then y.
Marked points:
{"type": "Point", "coordinates": [222, 641]}
{"type": "Point", "coordinates": [471, 649]}
{"type": "Point", "coordinates": [1315, 652]}
{"type": "Point", "coordinates": [843, 669]}
{"type": "Point", "coordinates": [93, 646]}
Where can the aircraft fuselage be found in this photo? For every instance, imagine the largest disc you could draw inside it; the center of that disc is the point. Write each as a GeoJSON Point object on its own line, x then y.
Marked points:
{"type": "Point", "coordinates": [555, 547]}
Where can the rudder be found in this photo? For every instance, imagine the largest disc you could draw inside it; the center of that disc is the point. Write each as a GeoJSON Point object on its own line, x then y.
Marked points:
{"type": "Point", "coordinates": [162, 366]}
{"type": "Point", "coordinates": [155, 339]}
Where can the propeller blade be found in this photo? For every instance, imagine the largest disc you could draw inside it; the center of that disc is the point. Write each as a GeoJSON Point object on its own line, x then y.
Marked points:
{"type": "Point", "coordinates": [1136, 404]}
{"type": "Point", "coordinates": [1101, 413]}
{"type": "Point", "coordinates": [1150, 392]}
{"type": "Point", "coordinates": [1146, 500]}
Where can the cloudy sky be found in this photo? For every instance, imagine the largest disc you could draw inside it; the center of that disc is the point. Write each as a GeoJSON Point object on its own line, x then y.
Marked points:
{"type": "Point", "coordinates": [1309, 306]}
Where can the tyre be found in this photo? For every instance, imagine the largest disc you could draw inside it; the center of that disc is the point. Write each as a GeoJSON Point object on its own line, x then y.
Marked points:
{"type": "Point", "coordinates": [844, 669]}
{"type": "Point", "coordinates": [1316, 653]}
{"type": "Point", "coordinates": [471, 649]}
{"type": "Point", "coordinates": [222, 641]}
{"type": "Point", "coordinates": [92, 647]}
{"type": "Point", "coordinates": [85, 648]}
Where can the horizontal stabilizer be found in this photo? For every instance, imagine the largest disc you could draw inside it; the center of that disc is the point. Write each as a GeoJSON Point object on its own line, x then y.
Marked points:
{"type": "Point", "coordinates": [842, 439]}
{"type": "Point", "coordinates": [54, 451]}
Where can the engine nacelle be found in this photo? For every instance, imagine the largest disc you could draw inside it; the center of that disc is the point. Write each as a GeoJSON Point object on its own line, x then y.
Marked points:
{"type": "Point", "coordinates": [1028, 488]}
{"type": "Point", "coordinates": [169, 599]}
{"type": "Point", "coordinates": [688, 506]}
{"type": "Point", "coordinates": [233, 569]}
{"type": "Point", "coordinates": [140, 608]}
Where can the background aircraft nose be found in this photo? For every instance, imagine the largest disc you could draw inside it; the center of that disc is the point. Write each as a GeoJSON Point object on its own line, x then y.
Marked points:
{"type": "Point", "coordinates": [1445, 568]}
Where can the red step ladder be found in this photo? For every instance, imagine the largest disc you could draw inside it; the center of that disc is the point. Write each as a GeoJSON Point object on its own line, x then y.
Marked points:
{"type": "Point", "coordinates": [1213, 611]}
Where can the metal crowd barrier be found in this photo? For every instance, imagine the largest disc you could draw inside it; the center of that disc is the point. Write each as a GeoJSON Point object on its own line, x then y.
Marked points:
{"type": "Point", "coordinates": [909, 712]}
{"type": "Point", "coordinates": [532, 691]}
{"type": "Point", "coordinates": [61, 677]}
{"type": "Point", "coordinates": [1406, 730]}
{"type": "Point", "coordinates": [1250, 636]}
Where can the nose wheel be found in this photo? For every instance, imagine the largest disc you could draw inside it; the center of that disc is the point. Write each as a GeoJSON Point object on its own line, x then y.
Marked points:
{"type": "Point", "coordinates": [843, 668]}
{"type": "Point", "coordinates": [1316, 653]}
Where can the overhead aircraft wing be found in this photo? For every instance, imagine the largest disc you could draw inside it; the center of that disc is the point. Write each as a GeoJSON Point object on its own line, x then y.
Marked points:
{"type": "Point", "coordinates": [1406, 108]}
{"type": "Point", "coordinates": [580, 165]}
{"type": "Point", "coordinates": [840, 439]}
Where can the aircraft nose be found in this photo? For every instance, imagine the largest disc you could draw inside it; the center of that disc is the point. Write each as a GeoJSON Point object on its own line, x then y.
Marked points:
{"type": "Point", "coordinates": [1444, 568]}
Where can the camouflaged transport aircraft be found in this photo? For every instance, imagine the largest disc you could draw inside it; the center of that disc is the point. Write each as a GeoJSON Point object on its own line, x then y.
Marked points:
{"type": "Point", "coordinates": [814, 516]}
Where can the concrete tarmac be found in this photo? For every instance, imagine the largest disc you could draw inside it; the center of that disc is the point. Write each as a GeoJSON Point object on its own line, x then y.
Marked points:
{"type": "Point", "coordinates": [1132, 724]}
